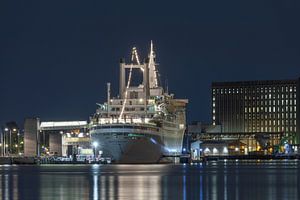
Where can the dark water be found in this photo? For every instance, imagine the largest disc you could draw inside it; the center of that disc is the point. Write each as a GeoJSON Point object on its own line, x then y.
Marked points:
{"type": "Point", "coordinates": [214, 180]}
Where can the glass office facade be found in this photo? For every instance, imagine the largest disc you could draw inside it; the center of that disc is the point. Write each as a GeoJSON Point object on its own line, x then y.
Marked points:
{"type": "Point", "coordinates": [257, 106]}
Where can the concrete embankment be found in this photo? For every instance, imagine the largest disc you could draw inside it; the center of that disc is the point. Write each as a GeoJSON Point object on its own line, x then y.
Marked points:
{"type": "Point", "coordinates": [252, 157]}
{"type": "Point", "coordinates": [17, 160]}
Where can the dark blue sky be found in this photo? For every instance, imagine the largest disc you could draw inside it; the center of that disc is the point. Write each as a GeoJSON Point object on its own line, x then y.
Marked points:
{"type": "Point", "coordinates": [56, 56]}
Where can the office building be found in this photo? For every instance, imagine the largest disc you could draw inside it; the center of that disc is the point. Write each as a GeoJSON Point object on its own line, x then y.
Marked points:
{"type": "Point", "coordinates": [257, 107]}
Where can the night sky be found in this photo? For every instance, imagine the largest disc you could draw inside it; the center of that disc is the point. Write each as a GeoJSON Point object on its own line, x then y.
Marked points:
{"type": "Point", "coordinates": [56, 56]}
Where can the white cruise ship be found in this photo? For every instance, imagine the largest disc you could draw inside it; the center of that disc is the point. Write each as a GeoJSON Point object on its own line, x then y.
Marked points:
{"type": "Point", "coordinates": [144, 123]}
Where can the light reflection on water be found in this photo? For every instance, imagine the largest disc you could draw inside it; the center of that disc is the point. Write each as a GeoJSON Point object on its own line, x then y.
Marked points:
{"type": "Point", "coordinates": [214, 180]}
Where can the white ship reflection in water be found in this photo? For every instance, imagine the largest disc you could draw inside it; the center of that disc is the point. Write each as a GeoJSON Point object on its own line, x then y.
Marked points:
{"type": "Point", "coordinates": [219, 180]}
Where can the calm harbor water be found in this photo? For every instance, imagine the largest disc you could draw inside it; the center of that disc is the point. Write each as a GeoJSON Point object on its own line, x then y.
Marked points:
{"type": "Point", "coordinates": [212, 180]}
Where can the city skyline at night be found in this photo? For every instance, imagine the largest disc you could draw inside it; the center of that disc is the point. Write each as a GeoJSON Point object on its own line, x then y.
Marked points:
{"type": "Point", "coordinates": [150, 99]}
{"type": "Point", "coordinates": [55, 66]}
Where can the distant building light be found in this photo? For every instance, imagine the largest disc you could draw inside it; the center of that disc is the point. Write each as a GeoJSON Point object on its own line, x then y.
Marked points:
{"type": "Point", "coordinates": [181, 126]}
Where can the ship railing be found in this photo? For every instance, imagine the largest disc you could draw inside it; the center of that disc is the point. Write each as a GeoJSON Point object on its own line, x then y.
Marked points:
{"type": "Point", "coordinates": [124, 121]}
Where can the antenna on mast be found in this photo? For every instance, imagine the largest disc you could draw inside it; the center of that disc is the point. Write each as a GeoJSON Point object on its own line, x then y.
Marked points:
{"type": "Point", "coordinates": [167, 86]}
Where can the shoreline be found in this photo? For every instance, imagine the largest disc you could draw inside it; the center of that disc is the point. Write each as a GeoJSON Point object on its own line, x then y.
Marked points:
{"type": "Point", "coordinates": [37, 161]}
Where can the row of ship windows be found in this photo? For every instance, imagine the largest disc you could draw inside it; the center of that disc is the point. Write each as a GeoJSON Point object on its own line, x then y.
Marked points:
{"type": "Point", "coordinates": [125, 135]}
{"type": "Point", "coordinates": [130, 109]}
{"type": "Point", "coordinates": [126, 127]}
{"type": "Point", "coordinates": [255, 90]}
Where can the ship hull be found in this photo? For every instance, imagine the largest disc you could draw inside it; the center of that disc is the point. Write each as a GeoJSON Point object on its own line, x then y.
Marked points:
{"type": "Point", "coordinates": [131, 145]}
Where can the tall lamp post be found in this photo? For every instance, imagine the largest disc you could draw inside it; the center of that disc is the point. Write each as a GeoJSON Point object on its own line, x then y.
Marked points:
{"type": "Point", "coordinates": [95, 145]}
{"type": "Point", "coordinates": [1, 141]}
{"type": "Point", "coordinates": [13, 146]}
{"type": "Point", "coordinates": [5, 138]}
{"type": "Point", "coordinates": [18, 142]}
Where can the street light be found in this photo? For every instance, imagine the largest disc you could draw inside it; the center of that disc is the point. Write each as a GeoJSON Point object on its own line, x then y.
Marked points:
{"type": "Point", "coordinates": [8, 137]}
{"type": "Point", "coordinates": [95, 145]}
{"type": "Point", "coordinates": [5, 138]}
{"type": "Point", "coordinates": [5, 149]}
{"type": "Point", "coordinates": [18, 142]}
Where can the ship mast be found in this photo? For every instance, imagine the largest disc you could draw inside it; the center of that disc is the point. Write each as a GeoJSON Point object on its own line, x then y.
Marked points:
{"type": "Point", "coordinates": [152, 68]}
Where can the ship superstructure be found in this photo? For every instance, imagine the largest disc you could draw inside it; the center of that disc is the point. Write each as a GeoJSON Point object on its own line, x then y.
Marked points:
{"type": "Point", "coordinates": [144, 123]}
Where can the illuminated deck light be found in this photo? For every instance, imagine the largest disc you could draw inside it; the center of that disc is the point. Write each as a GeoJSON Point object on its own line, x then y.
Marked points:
{"type": "Point", "coordinates": [95, 144]}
